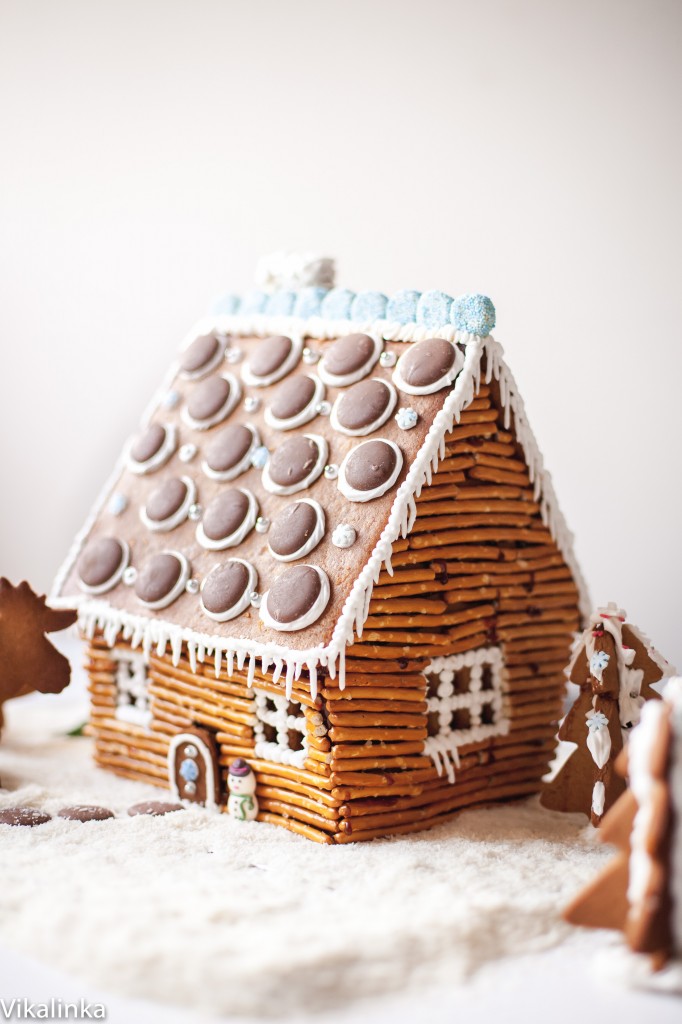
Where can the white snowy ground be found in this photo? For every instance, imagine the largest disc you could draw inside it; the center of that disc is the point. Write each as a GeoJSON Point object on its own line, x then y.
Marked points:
{"type": "Point", "coordinates": [247, 920]}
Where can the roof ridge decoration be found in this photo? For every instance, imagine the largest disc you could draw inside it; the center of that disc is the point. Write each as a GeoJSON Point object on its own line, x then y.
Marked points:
{"type": "Point", "coordinates": [306, 317]}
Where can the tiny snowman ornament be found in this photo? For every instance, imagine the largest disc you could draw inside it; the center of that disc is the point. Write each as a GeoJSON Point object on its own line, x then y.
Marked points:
{"type": "Point", "coordinates": [242, 803]}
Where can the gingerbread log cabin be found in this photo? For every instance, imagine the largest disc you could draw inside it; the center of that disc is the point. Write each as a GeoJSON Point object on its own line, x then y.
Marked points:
{"type": "Point", "coordinates": [331, 551]}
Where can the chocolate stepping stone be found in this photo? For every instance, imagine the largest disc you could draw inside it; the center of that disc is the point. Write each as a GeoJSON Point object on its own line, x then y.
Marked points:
{"type": "Point", "coordinates": [101, 564]}
{"type": "Point", "coordinates": [296, 531]}
{"type": "Point", "coordinates": [28, 816]}
{"type": "Point", "coordinates": [162, 579]}
{"type": "Point", "coordinates": [271, 359]}
{"type": "Point", "coordinates": [165, 504]}
{"type": "Point", "coordinates": [86, 812]}
{"type": "Point", "coordinates": [293, 397]}
{"type": "Point", "coordinates": [226, 591]}
{"type": "Point", "coordinates": [427, 366]}
{"type": "Point", "coordinates": [227, 519]}
{"type": "Point", "coordinates": [154, 808]}
{"type": "Point", "coordinates": [226, 455]}
{"type": "Point", "coordinates": [349, 359]}
{"type": "Point", "coordinates": [364, 407]}
{"type": "Point", "coordinates": [211, 401]}
{"type": "Point", "coordinates": [201, 355]}
{"type": "Point", "coordinates": [295, 464]}
{"type": "Point", "coordinates": [369, 470]}
{"type": "Point", "coordinates": [296, 599]}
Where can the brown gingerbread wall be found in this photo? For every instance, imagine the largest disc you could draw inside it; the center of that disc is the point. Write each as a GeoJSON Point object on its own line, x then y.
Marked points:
{"type": "Point", "coordinates": [479, 568]}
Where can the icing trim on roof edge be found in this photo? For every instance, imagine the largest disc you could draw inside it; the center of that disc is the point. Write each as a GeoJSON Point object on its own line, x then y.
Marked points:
{"type": "Point", "coordinates": [139, 629]}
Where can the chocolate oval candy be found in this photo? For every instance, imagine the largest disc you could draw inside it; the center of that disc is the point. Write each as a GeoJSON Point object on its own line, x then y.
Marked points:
{"type": "Point", "coordinates": [226, 591]}
{"type": "Point", "coordinates": [364, 407]}
{"type": "Point", "coordinates": [349, 359]}
{"type": "Point", "coordinates": [85, 812]}
{"type": "Point", "coordinates": [229, 453]}
{"type": "Point", "coordinates": [297, 530]}
{"type": "Point", "coordinates": [227, 519]}
{"type": "Point", "coordinates": [298, 598]}
{"type": "Point", "coordinates": [201, 356]}
{"type": "Point", "coordinates": [152, 448]}
{"type": "Point", "coordinates": [162, 579]}
{"type": "Point", "coordinates": [270, 360]}
{"type": "Point", "coordinates": [295, 402]}
{"type": "Point", "coordinates": [26, 816]}
{"type": "Point", "coordinates": [370, 469]}
{"type": "Point", "coordinates": [154, 808]}
{"type": "Point", "coordinates": [101, 564]}
{"type": "Point", "coordinates": [212, 401]}
{"type": "Point", "coordinates": [295, 464]}
{"type": "Point", "coordinates": [167, 506]}
{"type": "Point", "coordinates": [427, 366]}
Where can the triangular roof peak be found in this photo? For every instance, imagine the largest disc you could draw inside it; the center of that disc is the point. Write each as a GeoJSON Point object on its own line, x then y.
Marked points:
{"type": "Point", "coordinates": [163, 497]}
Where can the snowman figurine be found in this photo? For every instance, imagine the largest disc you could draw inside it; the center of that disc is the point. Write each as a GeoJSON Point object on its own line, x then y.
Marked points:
{"type": "Point", "coordinates": [241, 781]}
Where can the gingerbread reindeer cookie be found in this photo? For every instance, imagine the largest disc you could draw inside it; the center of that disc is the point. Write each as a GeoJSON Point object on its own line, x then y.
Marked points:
{"type": "Point", "coordinates": [614, 665]}
{"type": "Point", "coordinates": [28, 661]}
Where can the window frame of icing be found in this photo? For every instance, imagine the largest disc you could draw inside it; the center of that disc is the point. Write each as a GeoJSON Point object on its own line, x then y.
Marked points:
{"type": "Point", "coordinates": [279, 751]}
{"type": "Point", "coordinates": [443, 748]}
{"type": "Point", "coordinates": [132, 681]}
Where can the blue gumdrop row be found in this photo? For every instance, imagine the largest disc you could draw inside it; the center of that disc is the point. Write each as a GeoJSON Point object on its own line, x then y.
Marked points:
{"type": "Point", "coordinates": [472, 314]}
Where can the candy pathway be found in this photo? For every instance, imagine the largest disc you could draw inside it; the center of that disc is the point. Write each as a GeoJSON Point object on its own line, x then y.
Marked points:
{"type": "Point", "coordinates": [232, 917]}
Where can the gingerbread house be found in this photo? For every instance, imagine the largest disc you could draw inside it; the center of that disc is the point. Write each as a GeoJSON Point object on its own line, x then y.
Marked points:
{"type": "Point", "coordinates": [333, 551]}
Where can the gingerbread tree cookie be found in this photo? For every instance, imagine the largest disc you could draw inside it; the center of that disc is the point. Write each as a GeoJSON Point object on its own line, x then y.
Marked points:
{"type": "Point", "coordinates": [615, 666]}
{"type": "Point", "coordinates": [28, 661]}
{"type": "Point", "coordinates": [640, 891]}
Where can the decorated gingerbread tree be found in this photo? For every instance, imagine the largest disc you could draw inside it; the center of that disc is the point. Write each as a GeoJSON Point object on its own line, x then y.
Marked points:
{"type": "Point", "coordinates": [615, 666]}
{"type": "Point", "coordinates": [638, 892]}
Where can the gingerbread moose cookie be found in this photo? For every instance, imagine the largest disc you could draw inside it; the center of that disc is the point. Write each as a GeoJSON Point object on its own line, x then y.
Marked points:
{"type": "Point", "coordinates": [614, 665]}
{"type": "Point", "coordinates": [28, 661]}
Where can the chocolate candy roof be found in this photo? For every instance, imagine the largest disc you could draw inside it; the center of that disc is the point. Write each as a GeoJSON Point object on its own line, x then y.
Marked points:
{"type": "Point", "coordinates": [258, 413]}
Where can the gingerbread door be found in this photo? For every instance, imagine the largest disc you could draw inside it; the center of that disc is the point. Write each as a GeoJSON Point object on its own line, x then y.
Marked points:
{"type": "Point", "coordinates": [193, 768]}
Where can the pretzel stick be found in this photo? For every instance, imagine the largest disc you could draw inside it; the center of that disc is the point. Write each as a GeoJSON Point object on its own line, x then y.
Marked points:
{"type": "Point", "coordinates": [295, 826]}
{"type": "Point", "coordinates": [287, 810]}
{"type": "Point", "coordinates": [268, 795]}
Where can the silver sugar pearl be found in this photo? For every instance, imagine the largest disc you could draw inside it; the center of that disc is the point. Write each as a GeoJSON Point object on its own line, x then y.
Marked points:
{"type": "Point", "coordinates": [255, 599]}
{"type": "Point", "coordinates": [187, 452]}
{"type": "Point", "coordinates": [310, 356]}
{"type": "Point", "coordinates": [251, 403]}
{"type": "Point", "coordinates": [118, 503]}
{"type": "Point", "coordinates": [259, 457]}
{"type": "Point", "coordinates": [262, 524]}
{"type": "Point", "coordinates": [192, 586]}
{"type": "Point", "coordinates": [233, 355]}
{"type": "Point", "coordinates": [388, 359]}
{"type": "Point", "coordinates": [195, 512]}
{"type": "Point", "coordinates": [190, 787]}
{"type": "Point", "coordinates": [331, 472]}
{"type": "Point", "coordinates": [323, 408]}
{"type": "Point", "coordinates": [170, 399]}
{"type": "Point", "coordinates": [129, 575]}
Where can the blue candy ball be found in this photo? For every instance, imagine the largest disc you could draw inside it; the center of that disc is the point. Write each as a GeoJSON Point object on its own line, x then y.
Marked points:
{"type": "Point", "coordinates": [433, 309]}
{"type": "Point", "coordinates": [474, 314]}
{"type": "Point", "coordinates": [368, 306]}
{"type": "Point", "coordinates": [402, 307]}
{"type": "Point", "coordinates": [337, 304]}
{"type": "Point", "coordinates": [309, 302]}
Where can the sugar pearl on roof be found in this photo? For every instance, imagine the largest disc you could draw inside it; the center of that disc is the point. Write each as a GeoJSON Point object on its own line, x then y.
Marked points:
{"type": "Point", "coordinates": [260, 457]}
{"type": "Point", "coordinates": [255, 599]}
{"type": "Point", "coordinates": [331, 472]}
{"type": "Point", "coordinates": [130, 575]}
{"type": "Point", "coordinates": [406, 419]}
{"type": "Point", "coordinates": [233, 354]}
{"type": "Point", "coordinates": [251, 403]}
{"type": "Point", "coordinates": [187, 452]}
{"type": "Point", "coordinates": [118, 503]}
{"type": "Point", "coordinates": [310, 356]}
{"type": "Point", "coordinates": [195, 512]}
{"type": "Point", "coordinates": [388, 359]}
{"type": "Point", "coordinates": [262, 524]}
{"type": "Point", "coordinates": [323, 408]}
{"type": "Point", "coordinates": [170, 399]}
{"type": "Point", "coordinates": [192, 586]}
{"type": "Point", "coordinates": [344, 536]}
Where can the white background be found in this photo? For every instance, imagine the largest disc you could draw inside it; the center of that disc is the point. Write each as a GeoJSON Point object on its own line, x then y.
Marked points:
{"type": "Point", "coordinates": [150, 152]}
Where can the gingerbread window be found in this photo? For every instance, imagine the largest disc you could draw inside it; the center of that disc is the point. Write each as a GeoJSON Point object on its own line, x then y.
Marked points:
{"type": "Point", "coordinates": [132, 698]}
{"type": "Point", "coordinates": [465, 696]}
{"type": "Point", "coordinates": [280, 729]}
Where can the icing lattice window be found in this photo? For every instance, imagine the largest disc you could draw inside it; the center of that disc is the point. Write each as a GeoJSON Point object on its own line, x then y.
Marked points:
{"type": "Point", "coordinates": [132, 698]}
{"type": "Point", "coordinates": [280, 729]}
{"type": "Point", "coordinates": [465, 696]}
